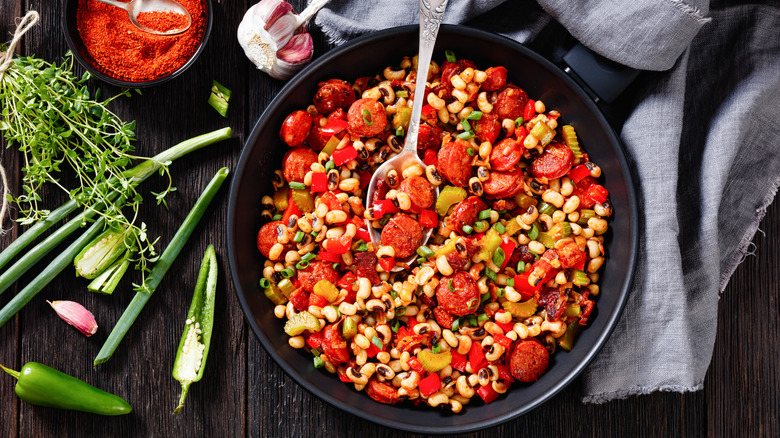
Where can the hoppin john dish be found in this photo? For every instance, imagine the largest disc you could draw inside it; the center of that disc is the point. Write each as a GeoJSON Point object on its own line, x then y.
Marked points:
{"type": "Point", "coordinates": [512, 267]}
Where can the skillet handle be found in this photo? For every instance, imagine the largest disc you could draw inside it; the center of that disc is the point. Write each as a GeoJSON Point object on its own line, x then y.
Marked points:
{"type": "Point", "coordinates": [602, 78]}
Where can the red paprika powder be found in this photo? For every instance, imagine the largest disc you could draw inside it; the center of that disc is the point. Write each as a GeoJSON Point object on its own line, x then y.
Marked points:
{"type": "Point", "coordinates": [123, 51]}
{"type": "Point", "coordinates": [162, 21]}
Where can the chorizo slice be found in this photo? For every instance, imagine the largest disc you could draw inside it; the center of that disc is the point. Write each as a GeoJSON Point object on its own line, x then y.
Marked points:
{"type": "Point", "coordinates": [332, 95]}
{"type": "Point", "coordinates": [502, 184]}
{"type": "Point", "coordinates": [569, 253]}
{"type": "Point", "coordinates": [488, 128]}
{"type": "Point", "coordinates": [366, 266]}
{"type": "Point", "coordinates": [454, 162]}
{"type": "Point", "coordinates": [366, 118]}
{"type": "Point", "coordinates": [458, 294]}
{"type": "Point", "coordinates": [382, 392]}
{"type": "Point", "coordinates": [267, 238]}
{"type": "Point", "coordinates": [465, 212]}
{"type": "Point", "coordinates": [334, 345]}
{"type": "Point", "coordinates": [296, 128]}
{"type": "Point", "coordinates": [510, 103]}
{"type": "Point", "coordinates": [505, 154]}
{"type": "Point", "coordinates": [443, 317]}
{"type": "Point", "coordinates": [297, 162]}
{"type": "Point", "coordinates": [495, 79]}
{"type": "Point", "coordinates": [529, 361]}
{"type": "Point", "coordinates": [428, 137]}
{"type": "Point", "coordinates": [403, 234]}
{"type": "Point", "coordinates": [554, 162]}
{"type": "Point", "coordinates": [420, 192]}
{"type": "Point", "coordinates": [316, 271]}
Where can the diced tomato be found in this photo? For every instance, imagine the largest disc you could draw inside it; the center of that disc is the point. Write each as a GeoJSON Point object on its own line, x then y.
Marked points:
{"type": "Point", "coordinates": [415, 364]}
{"type": "Point", "coordinates": [476, 355]}
{"type": "Point", "coordinates": [502, 340]}
{"type": "Point", "coordinates": [315, 339]}
{"type": "Point", "coordinates": [383, 207]}
{"type": "Point", "coordinates": [319, 182]}
{"type": "Point", "coordinates": [329, 257]}
{"type": "Point", "coordinates": [429, 385]}
{"type": "Point", "coordinates": [343, 156]}
{"type": "Point", "coordinates": [487, 393]}
{"type": "Point", "coordinates": [504, 373]}
{"type": "Point", "coordinates": [458, 361]}
{"type": "Point", "coordinates": [577, 173]}
{"type": "Point", "coordinates": [330, 199]}
{"type": "Point", "coordinates": [387, 263]}
{"type": "Point", "coordinates": [402, 332]}
{"type": "Point", "coordinates": [521, 133]}
{"type": "Point", "coordinates": [530, 110]}
{"type": "Point", "coordinates": [347, 281]}
{"type": "Point", "coordinates": [429, 219]}
{"type": "Point", "coordinates": [316, 300]}
{"type": "Point", "coordinates": [334, 126]}
{"type": "Point", "coordinates": [430, 157]}
{"type": "Point", "coordinates": [597, 193]}
{"type": "Point", "coordinates": [363, 234]}
{"type": "Point", "coordinates": [339, 245]}
{"type": "Point", "coordinates": [508, 247]}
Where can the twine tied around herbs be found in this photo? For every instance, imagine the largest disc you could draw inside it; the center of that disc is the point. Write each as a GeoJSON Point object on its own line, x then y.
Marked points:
{"type": "Point", "coordinates": [6, 59]}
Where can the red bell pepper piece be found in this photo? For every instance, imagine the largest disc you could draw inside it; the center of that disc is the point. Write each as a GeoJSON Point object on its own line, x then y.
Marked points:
{"type": "Point", "coordinates": [429, 219]}
{"type": "Point", "coordinates": [502, 340]}
{"type": "Point", "coordinates": [339, 245]}
{"type": "Point", "coordinates": [430, 157]}
{"type": "Point", "coordinates": [316, 300]}
{"type": "Point", "coordinates": [319, 182]}
{"type": "Point", "coordinates": [387, 263]}
{"type": "Point", "coordinates": [581, 263]}
{"type": "Point", "coordinates": [363, 234]}
{"type": "Point", "coordinates": [476, 356]}
{"type": "Point", "coordinates": [429, 385]}
{"type": "Point", "coordinates": [508, 247]}
{"type": "Point", "coordinates": [402, 332]}
{"type": "Point", "coordinates": [315, 339]}
{"type": "Point", "coordinates": [504, 373]}
{"type": "Point", "coordinates": [487, 393]}
{"type": "Point", "coordinates": [347, 281]}
{"type": "Point", "coordinates": [291, 209]}
{"type": "Point", "coordinates": [521, 133]}
{"type": "Point", "coordinates": [372, 350]}
{"type": "Point", "coordinates": [332, 257]}
{"type": "Point", "coordinates": [577, 173]}
{"type": "Point", "coordinates": [530, 110]}
{"type": "Point", "coordinates": [415, 364]}
{"type": "Point", "coordinates": [343, 156]}
{"type": "Point", "coordinates": [458, 361]}
{"type": "Point", "coordinates": [428, 112]}
{"type": "Point", "coordinates": [597, 193]}
{"type": "Point", "coordinates": [330, 199]}
{"type": "Point", "coordinates": [505, 326]}
{"type": "Point", "coordinates": [383, 207]}
{"type": "Point", "coordinates": [334, 126]}
{"type": "Point", "coordinates": [522, 286]}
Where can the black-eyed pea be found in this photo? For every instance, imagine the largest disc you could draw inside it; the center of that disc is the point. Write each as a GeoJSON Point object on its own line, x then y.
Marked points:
{"type": "Point", "coordinates": [461, 115]}
{"type": "Point", "coordinates": [483, 103]}
{"type": "Point", "coordinates": [383, 371]}
{"type": "Point", "coordinates": [461, 95]}
{"type": "Point", "coordinates": [495, 352]}
{"type": "Point", "coordinates": [435, 101]}
{"type": "Point", "coordinates": [328, 365]}
{"type": "Point", "coordinates": [433, 175]}
{"type": "Point", "coordinates": [521, 330]}
{"type": "Point", "coordinates": [296, 342]}
{"type": "Point", "coordinates": [385, 251]}
{"type": "Point", "coordinates": [444, 115]}
{"type": "Point", "coordinates": [595, 264]}
{"type": "Point", "coordinates": [558, 216]}
{"type": "Point", "coordinates": [503, 317]}
{"type": "Point", "coordinates": [394, 74]}
{"type": "Point", "coordinates": [277, 180]}
{"type": "Point", "coordinates": [530, 141]}
{"type": "Point", "coordinates": [279, 311]}
{"type": "Point", "coordinates": [349, 185]}
{"type": "Point", "coordinates": [464, 345]}
{"type": "Point", "coordinates": [368, 369]}
{"type": "Point", "coordinates": [530, 215]}
{"type": "Point", "coordinates": [499, 387]}
{"type": "Point", "coordinates": [276, 251]}
{"type": "Point", "coordinates": [438, 398]}
{"type": "Point", "coordinates": [598, 225]}
{"type": "Point", "coordinates": [361, 357]}
{"type": "Point", "coordinates": [356, 376]}
{"type": "Point", "coordinates": [289, 310]}
{"type": "Point", "coordinates": [422, 328]}
{"type": "Point", "coordinates": [399, 378]}
{"type": "Point", "coordinates": [464, 388]}
{"type": "Point", "coordinates": [603, 210]}
{"type": "Point", "coordinates": [411, 381]}
{"type": "Point", "coordinates": [412, 171]}
{"type": "Point", "coordinates": [450, 338]}
{"type": "Point", "coordinates": [454, 108]}
{"type": "Point", "coordinates": [395, 365]}
{"type": "Point", "coordinates": [362, 341]}
{"type": "Point", "coordinates": [571, 204]}
{"type": "Point", "coordinates": [408, 394]}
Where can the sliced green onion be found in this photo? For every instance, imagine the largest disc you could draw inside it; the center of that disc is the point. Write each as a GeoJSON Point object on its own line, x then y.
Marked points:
{"type": "Point", "coordinates": [545, 208]}
{"type": "Point", "coordinates": [265, 283]}
{"type": "Point", "coordinates": [510, 282]}
{"type": "Point", "coordinates": [484, 214]}
{"type": "Point", "coordinates": [298, 237]}
{"type": "Point", "coordinates": [436, 348]}
{"type": "Point", "coordinates": [449, 285]}
{"type": "Point", "coordinates": [472, 304]}
{"type": "Point", "coordinates": [499, 256]}
{"type": "Point", "coordinates": [318, 363]}
{"type": "Point", "coordinates": [400, 132]}
{"type": "Point", "coordinates": [485, 297]}
{"type": "Point", "coordinates": [287, 272]}
{"type": "Point", "coordinates": [277, 217]}
{"type": "Point", "coordinates": [520, 269]}
{"type": "Point", "coordinates": [315, 352]}
{"type": "Point", "coordinates": [501, 292]}
{"type": "Point", "coordinates": [482, 317]}
{"type": "Point", "coordinates": [400, 311]}
{"type": "Point", "coordinates": [519, 121]}
{"type": "Point", "coordinates": [393, 293]}
{"type": "Point", "coordinates": [471, 151]}
{"type": "Point", "coordinates": [314, 234]}
{"type": "Point", "coordinates": [377, 342]}
{"type": "Point", "coordinates": [395, 324]}
{"type": "Point", "coordinates": [401, 93]}
{"type": "Point", "coordinates": [384, 220]}
{"type": "Point", "coordinates": [421, 260]}
{"type": "Point", "coordinates": [303, 264]}
{"type": "Point", "coordinates": [500, 228]}
{"type": "Point", "coordinates": [466, 125]}
{"type": "Point", "coordinates": [472, 320]}
{"type": "Point", "coordinates": [474, 115]}
{"type": "Point", "coordinates": [456, 325]}
{"type": "Point", "coordinates": [335, 266]}
{"type": "Point", "coordinates": [363, 246]}
{"type": "Point", "coordinates": [297, 185]}
{"type": "Point", "coordinates": [329, 165]}
{"type": "Point", "coordinates": [424, 251]}
{"type": "Point", "coordinates": [367, 117]}
{"type": "Point", "coordinates": [466, 135]}
{"type": "Point", "coordinates": [534, 232]}
{"type": "Point", "coordinates": [490, 274]}
{"type": "Point", "coordinates": [450, 55]}
{"type": "Point", "coordinates": [308, 257]}
{"type": "Point", "coordinates": [219, 98]}
{"type": "Point", "coordinates": [468, 229]}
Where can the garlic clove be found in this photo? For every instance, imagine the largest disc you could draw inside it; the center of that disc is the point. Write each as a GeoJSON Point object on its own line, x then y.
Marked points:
{"type": "Point", "coordinates": [293, 57]}
{"type": "Point", "coordinates": [76, 315]}
{"type": "Point", "coordinates": [282, 30]}
{"type": "Point", "coordinates": [268, 11]}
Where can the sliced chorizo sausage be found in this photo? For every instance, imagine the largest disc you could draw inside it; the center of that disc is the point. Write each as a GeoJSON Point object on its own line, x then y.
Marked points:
{"type": "Point", "coordinates": [333, 94]}
{"type": "Point", "coordinates": [334, 345]}
{"type": "Point", "coordinates": [403, 234]}
{"type": "Point", "coordinates": [510, 103]}
{"type": "Point", "coordinates": [465, 212]}
{"type": "Point", "coordinates": [296, 128]}
{"type": "Point", "coordinates": [420, 192]}
{"type": "Point", "coordinates": [521, 254]}
{"type": "Point", "coordinates": [297, 162]}
{"type": "Point", "coordinates": [382, 392]}
{"type": "Point", "coordinates": [454, 162]}
{"type": "Point", "coordinates": [317, 138]}
{"type": "Point", "coordinates": [529, 361]}
{"type": "Point", "coordinates": [503, 184]}
{"type": "Point", "coordinates": [267, 238]}
{"type": "Point", "coordinates": [554, 162]}
{"type": "Point", "coordinates": [428, 137]}
{"type": "Point", "coordinates": [495, 79]}
{"type": "Point", "coordinates": [443, 317]}
{"type": "Point", "coordinates": [488, 128]}
{"type": "Point", "coordinates": [458, 294]}
{"type": "Point", "coordinates": [366, 266]}
{"type": "Point", "coordinates": [316, 271]}
{"type": "Point", "coordinates": [505, 154]}
{"type": "Point", "coordinates": [366, 118]}
{"type": "Point", "coordinates": [450, 69]}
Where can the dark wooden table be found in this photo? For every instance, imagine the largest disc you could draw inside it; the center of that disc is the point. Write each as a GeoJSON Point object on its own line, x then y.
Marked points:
{"type": "Point", "coordinates": [244, 393]}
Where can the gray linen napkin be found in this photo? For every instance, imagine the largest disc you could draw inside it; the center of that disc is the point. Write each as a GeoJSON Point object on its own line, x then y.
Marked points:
{"type": "Point", "coordinates": [702, 134]}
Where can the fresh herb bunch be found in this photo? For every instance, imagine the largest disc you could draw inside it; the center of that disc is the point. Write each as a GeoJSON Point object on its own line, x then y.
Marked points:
{"type": "Point", "coordinates": [50, 116]}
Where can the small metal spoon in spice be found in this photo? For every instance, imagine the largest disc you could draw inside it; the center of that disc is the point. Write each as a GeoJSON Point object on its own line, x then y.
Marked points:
{"type": "Point", "coordinates": [167, 16]}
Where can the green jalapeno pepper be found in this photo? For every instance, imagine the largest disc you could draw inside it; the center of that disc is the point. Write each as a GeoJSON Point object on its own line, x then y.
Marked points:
{"type": "Point", "coordinates": [41, 385]}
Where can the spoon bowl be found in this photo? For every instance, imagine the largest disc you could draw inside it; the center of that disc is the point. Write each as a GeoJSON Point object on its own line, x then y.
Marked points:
{"type": "Point", "coordinates": [135, 8]}
{"type": "Point", "coordinates": [431, 14]}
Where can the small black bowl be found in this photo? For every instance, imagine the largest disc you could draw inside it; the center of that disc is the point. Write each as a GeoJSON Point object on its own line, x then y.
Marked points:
{"type": "Point", "coordinates": [366, 56]}
{"type": "Point", "coordinates": [76, 45]}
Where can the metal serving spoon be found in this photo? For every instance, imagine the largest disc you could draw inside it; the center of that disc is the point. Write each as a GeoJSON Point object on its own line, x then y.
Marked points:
{"type": "Point", "coordinates": [136, 7]}
{"type": "Point", "coordinates": [431, 13]}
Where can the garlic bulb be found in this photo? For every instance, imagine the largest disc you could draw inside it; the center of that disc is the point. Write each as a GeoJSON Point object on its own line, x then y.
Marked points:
{"type": "Point", "coordinates": [268, 36]}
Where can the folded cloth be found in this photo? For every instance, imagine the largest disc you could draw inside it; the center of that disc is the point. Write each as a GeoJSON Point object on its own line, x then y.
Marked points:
{"type": "Point", "coordinates": [702, 135]}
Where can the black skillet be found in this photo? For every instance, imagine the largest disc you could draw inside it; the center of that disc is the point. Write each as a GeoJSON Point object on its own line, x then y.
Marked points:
{"type": "Point", "coordinates": [367, 56]}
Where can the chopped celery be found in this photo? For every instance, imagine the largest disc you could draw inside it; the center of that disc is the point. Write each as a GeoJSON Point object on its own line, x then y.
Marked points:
{"type": "Point", "coordinates": [401, 118]}
{"type": "Point", "coordinates": [545, 208]}
{"type": "Point", "coordinates": [585, 215]}
{"type": "Point", "coordinates": [287, 287]}
{"type": "Point", "coordinates": [522, 310]}
{"type": "Point", "coordinates": [572, 309]}
{"type": "Point", "coordinates": [580, 278]}
{"type": "Point", "coordinates": [331, 145]}
{"type": "Point", "coordinates": [448, 248]}
{"type": "Point", "coordinates": [327, 290]}
{"type": "Point", "coordinates": [543, 132]}
{"type": "Point", "coordinates": [525, 201]}
{"type": "Point", "coordinates": [300, 322]}
{"type": "Point", "coordinates": [434, 362]}
{"type": "Point", "coordinates": [567, 340]}
{"type": "Point", "coordinates": [349, 328]}
{"type": "Point", "coordinates": [303, 200]}
{"type": "Point", "coordinates": [280, 199]}
{"type": "Point", "coordinates": [489, 243]}
{"type": "Point", "coordinates": [570, 139]}
{"type": "Point", "coordinates": [273, 293]}
{"type": "Point", "coordinates": [546, 239]}
{"type": "Point", "coordinates": [448, 197]}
